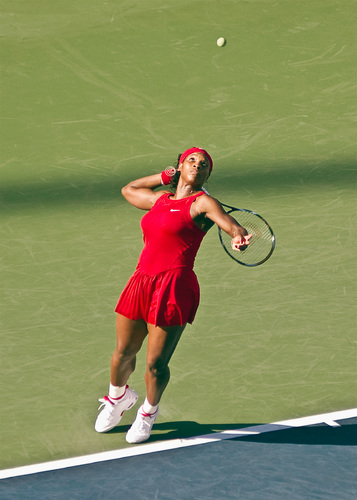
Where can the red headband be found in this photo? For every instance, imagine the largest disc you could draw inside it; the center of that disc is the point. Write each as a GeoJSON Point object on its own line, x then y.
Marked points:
{"type": "Point", "coordinates": [196, 150]}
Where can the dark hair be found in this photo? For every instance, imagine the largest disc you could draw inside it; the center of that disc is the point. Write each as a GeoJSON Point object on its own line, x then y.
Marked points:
{"type": "Point", "coordinates": [174, 179]}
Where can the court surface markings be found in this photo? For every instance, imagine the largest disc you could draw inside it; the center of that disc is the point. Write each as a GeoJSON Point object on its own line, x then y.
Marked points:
{"type": "Point", "coordinates": [330, 419]}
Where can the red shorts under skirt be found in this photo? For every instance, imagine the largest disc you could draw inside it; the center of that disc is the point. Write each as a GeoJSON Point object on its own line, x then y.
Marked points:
{"type": "Point", "coordinates": [166, 299]}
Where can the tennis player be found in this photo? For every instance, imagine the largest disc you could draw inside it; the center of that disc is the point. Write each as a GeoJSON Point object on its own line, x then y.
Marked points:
{"type": "Point", "coordinates": [162, 296]}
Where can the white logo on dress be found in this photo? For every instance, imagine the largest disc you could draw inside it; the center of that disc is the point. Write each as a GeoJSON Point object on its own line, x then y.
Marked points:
{"type": "Point", "coordinates": [174, 210]}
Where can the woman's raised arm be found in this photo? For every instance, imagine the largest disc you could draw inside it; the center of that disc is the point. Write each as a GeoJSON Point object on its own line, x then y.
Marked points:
{"type": "Point", "coordinates": [140, 192]}
{"type": "Point", "coordinates": [213, 210]}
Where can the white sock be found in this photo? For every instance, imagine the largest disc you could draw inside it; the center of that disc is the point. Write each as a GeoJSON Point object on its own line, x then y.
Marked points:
{"type": "Point", "coordinates": [116, 392]}
{"type": "Point", "coordinates": [148, 408]}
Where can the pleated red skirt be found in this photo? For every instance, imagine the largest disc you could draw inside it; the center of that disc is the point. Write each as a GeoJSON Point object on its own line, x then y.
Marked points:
{"type": "Point", "coordinates": [166, 299]}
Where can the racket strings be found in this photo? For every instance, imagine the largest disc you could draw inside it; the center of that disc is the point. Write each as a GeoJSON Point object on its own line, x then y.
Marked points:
{"type": "Point", "coordinates": [261, 243]}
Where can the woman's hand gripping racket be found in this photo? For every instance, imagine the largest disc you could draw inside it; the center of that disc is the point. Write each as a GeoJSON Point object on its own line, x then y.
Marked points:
{"type": "Point", "coordinates": [261, 243]}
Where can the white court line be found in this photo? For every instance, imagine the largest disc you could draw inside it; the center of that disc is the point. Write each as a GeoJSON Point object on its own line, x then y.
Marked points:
{"type": "Point", "coordinates": [328, 418]}
{"type": "Point", "coordinates": [318, 419]}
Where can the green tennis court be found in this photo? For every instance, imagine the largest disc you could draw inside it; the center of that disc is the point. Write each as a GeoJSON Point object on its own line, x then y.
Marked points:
{"type": "Point", "coordinates": [95, 94]}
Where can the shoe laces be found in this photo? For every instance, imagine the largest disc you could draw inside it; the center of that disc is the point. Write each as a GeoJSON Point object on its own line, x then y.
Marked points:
{"type": "Point", "coordinates": [106, 403]}
{"type": "Point", "coordinates": [145, 420]}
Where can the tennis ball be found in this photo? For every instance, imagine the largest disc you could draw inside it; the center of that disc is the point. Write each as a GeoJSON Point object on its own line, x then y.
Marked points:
{"type": "Point", "coordinates": [221, 42]}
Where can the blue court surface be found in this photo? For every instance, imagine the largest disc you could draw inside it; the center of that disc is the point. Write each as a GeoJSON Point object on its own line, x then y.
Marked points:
{"type": "Point", "coordinates": [306, 458]}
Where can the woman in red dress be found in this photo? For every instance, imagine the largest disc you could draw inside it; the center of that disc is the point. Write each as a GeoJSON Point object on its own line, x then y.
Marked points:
{"type": "Point", "coordinates": [162, 296]}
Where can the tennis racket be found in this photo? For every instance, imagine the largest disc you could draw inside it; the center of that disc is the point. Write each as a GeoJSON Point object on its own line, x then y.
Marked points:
{"type": "Point", "coordinates": [262, 242]}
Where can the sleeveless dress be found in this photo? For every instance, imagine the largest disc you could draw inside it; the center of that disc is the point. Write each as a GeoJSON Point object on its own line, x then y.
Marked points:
{"type": "Point", "coordinates": [164, 290]}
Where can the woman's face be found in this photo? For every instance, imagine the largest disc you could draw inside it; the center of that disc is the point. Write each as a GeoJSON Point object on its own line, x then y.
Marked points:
{"type": "Point", "coordinates": [195, 168]}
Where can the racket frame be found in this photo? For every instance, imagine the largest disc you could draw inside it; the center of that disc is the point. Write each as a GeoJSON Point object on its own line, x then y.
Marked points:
{"type": "Point", "coordinates": [273, 239]}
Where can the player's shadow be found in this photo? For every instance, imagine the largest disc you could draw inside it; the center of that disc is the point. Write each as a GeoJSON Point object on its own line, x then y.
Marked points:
{"type": "Point", "coordinates": [321, 434]}
{"type": "Point", "coordinates": [41, 193]}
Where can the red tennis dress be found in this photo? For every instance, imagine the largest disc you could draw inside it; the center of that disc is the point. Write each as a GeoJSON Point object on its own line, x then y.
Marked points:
{"type": "Point", "coordinates": [164, 290]}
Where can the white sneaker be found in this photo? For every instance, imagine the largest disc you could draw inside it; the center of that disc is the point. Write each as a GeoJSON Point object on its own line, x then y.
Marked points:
{"type": "Point", "coordinates": [141, 429]}
{"type": "Point", "coordinates": [111, 414]}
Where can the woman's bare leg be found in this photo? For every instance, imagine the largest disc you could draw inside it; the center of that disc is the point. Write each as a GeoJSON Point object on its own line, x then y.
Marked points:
{"type": "Point", "coordinates": [162, 342]}
{"type": "Point", "coordinates": [130, 337]}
